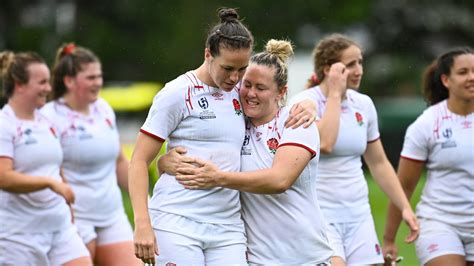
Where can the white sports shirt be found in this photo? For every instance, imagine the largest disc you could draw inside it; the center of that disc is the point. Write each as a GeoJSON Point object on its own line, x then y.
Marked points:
{"type": "Point", "coordinates": [342, 188]}
{"type": "Point", "coordinates": [209, 122]}
{"type": "Point", "coordinates": [445, 142]}
{"type": "Point", "coordinates": [286, 228]}
{"type": "Point", "coordinates": [35, 150]}
{"type": "Point", "coordinates": [91, 147]}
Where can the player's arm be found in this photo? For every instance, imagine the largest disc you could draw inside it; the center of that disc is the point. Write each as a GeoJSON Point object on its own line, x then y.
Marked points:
{"type": "Point", "coordinates": [146, 149]}
{"type": "Point", "coordinates": [409, 173]}
{"type": "Point", "coordinates": [288, 163]}
{"type": "Point", "coordinates": [302, 113]}
{"type": "Point", "coordinates": [122, 165]}
{"type": "Point", "coordinates": [328, 124]}
{"type": "Point", "coordinates": [17, 182]}
{"type": "Point", "coordinates": [385, 176]}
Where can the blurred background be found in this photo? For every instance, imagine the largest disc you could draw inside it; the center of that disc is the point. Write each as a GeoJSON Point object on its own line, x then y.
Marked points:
{"type": "Point", "coordinates": [145, 43]}
{"type": "Point", "coordinates": [155, 41]}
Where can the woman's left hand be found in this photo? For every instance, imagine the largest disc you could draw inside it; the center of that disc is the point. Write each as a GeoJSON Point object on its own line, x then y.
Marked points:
{"type": "Point", "coordinates": [202, 175]}
{"type": "Point", "coordinates": [302, 113]}
{"type": "Point", "coordinates": [410, 219]}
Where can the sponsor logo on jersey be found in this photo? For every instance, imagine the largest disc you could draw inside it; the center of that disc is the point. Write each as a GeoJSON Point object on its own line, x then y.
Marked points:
{"type": "Point", "coordinates": [218, 96]}
{"type": "Point", "coordinates": [237, 109]}
{"type": "Point", "coordinates": [207, 114]}
{"type": "Point", "coordinates": [448, 143]}
{"type": "Point", "coordinates": [433, 247]}
{"type": "Point", "coordinates": [466, 124]}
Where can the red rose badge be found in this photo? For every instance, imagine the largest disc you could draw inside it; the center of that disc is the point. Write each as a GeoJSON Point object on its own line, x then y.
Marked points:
{"type": "Point", "coordinates": [237, 109]}
{"type": "Point", "coordinates": [272, 145]}
{"type": "Point", "coordinates": [359, 118]}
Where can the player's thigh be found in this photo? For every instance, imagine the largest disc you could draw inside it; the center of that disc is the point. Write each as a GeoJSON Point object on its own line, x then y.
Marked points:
{"type": "Point", "coordinates": [437, 240]}
{"type": "Point", "coordinates": [362, 245]}
{"type": "Point", "coordinates": [174, 248]}
{"type": "Point", "coordinates": [68, 247]}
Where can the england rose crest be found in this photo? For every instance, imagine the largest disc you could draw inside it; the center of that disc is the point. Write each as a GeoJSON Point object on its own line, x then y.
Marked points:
{"type": "Point", "coordinates": [237, 109]}
{"type": "Point", "coordinates": [359, 118]}
{"type": "Point", "coordinates": [272, 145]}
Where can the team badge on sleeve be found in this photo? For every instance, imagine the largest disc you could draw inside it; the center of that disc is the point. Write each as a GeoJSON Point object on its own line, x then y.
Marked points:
{"type": "Point", "coordinates": [237, 108]}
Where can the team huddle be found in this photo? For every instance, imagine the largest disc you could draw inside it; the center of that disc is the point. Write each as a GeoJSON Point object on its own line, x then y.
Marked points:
{"type": "Point", "coordinates": [248, 179]}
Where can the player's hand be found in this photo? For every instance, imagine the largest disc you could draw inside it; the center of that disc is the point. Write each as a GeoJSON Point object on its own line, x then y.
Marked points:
{"type": "Point", "coordinates": [145, 243]}
{"type": "Point", "coordinates": [337, 79]}
{"type": "Point", "coordinates": [63, 190]}
{"type": "Point", "coordinates": [202, 175]}
{"type": "Point", "coordinates": [169, 162]}
{"type": "Point", "coordinates": [410, 219]}
{"type": "Point", "coordinates": [390, 252]}
{"type": "Point", "coordinates": [302, 113]}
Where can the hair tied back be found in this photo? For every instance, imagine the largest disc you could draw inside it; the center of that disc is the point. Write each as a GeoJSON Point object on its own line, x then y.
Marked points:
{"type": "Point", "coordinates": [69, 49]}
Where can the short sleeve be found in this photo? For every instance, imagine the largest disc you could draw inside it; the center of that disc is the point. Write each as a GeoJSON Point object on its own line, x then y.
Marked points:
{"type": "Point", "coordinates": [415, 145]}
{"type": "Point", "coordinates": [373, 125]}
{"type": "Point", "coordinates": [166, 112]}
{"type": "Point", "coordinates": [306, 138]}
{"type": "Point", "coordinates": [6, 138]}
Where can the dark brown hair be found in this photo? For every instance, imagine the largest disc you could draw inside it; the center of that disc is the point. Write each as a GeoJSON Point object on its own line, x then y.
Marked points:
{"type": "Point", "coordinates": [69, 61]}
{"type": "Point", "coordinates": [433, 89]}
{"type": "Point", "coordinates": [230, 33]}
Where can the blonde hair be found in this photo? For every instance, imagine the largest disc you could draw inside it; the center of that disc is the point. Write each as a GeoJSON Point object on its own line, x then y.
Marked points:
{"type": "Point", "coordinates": [276, 55]}
{"type": "Point", "coordinates": [14, 69]}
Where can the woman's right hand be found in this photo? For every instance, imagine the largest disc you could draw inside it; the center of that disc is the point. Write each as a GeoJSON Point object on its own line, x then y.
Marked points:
{"type": "Point", "coordinates": [145, 243]}
{"type": "Point", "coordinates": [63, 189]}
{"type": "Point", "coordinates": [337, 79]}
{"type": "Point", "coordinates": [390, 252]}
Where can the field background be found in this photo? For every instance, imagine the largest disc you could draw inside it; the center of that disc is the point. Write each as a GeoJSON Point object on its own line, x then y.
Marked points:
{"type": "Point", "coordinates": [378, 202]}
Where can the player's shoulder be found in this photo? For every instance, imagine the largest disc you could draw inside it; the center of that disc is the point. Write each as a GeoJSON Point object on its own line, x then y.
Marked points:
{"type": "Point", "coordinates": [359, 96]}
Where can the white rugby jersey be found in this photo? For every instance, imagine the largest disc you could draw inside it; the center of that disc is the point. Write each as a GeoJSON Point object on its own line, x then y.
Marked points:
{"type": "Point", "coordinates": [35, 151]}
{"type": "Point", "coordinates": [286, 228]}
{"type": "Point", "coordinates": [209, 122]}
{"type": "Point", "coordinates": [342, 188]}
{"type": "Point", "coordinates": [91, 146]}
{"type": "Point", "coordinates": [445, 142]}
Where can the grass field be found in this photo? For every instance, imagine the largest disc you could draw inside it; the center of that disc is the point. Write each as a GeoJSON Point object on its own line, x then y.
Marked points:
{"type": "Point", "coordinates": [379, 203]}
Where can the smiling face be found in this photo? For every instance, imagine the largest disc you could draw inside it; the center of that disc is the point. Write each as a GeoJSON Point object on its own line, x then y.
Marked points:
{"type": "Point", "coordinates": [85, 86]}
{"type": "Point", "coordinates": [460, 81]}
{"type": "Point", "coordinates": [38, 87]}
{"type": "Point", "coordinates": [260, 94]}
{"type": "Point", "coordinates": [352, 59]}
{"type": "Point", "coordinates": [227, 68]}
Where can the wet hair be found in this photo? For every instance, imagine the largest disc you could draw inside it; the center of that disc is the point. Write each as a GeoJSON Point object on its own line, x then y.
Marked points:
{"type": "Point", "coordinates": [327, 52]}
{"type": "Point", "coordinates": [14, 69]}
{"type": "Point", "coordinates": [230, 33]}
{"type": "Point", "coordinates": [69, 61]}
{"type": "Point", "coordinates": [276, 55]}
{"type": "Point", "coordinates": [433, 89]}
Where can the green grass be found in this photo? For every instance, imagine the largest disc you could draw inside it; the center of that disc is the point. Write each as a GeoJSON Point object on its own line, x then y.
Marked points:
{"type": "Point", "coordinates": [378, 202]}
